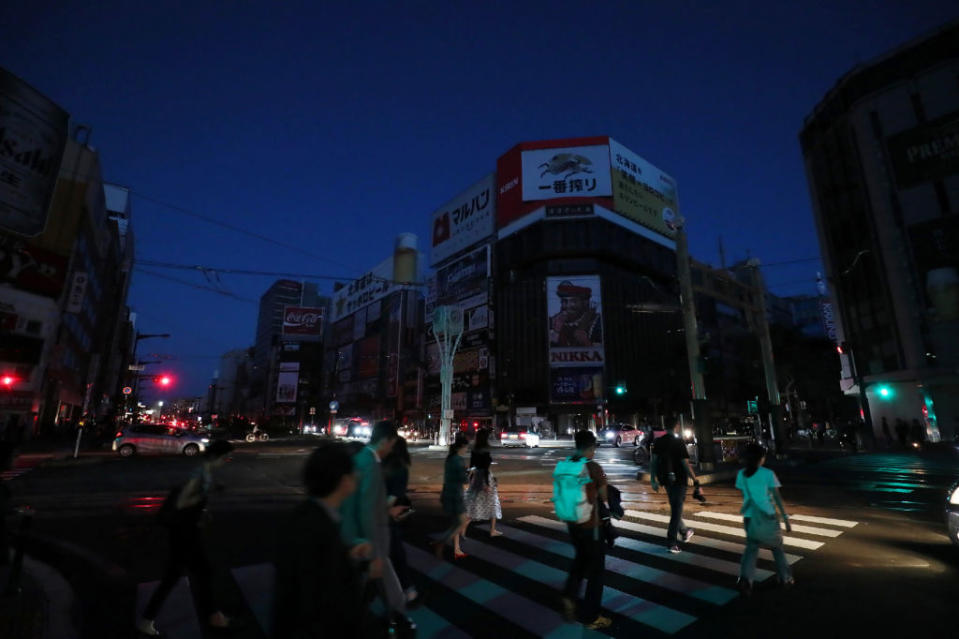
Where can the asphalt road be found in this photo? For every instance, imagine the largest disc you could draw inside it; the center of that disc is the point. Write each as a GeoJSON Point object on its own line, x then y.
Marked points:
{"type": "Point", "coordinates": [870, 547]}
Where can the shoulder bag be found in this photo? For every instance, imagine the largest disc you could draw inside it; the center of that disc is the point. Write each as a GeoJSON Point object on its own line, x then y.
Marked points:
{"type": "Point", "coordinates": [762, 527]}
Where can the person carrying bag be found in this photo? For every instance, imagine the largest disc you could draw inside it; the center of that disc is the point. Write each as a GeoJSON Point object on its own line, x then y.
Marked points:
{"type": "Point", "coordinates": [760, 487]}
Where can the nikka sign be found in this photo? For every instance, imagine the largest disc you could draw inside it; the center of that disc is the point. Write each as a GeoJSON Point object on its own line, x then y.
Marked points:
{"type": "Point", "coordinates": [303, 322]}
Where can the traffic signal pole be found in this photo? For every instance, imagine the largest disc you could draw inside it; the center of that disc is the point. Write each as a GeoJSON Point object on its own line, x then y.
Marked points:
{"type": "Point", "coordinates": [769, 364]}
{"type": "Point", "coordinates": [701, 417]}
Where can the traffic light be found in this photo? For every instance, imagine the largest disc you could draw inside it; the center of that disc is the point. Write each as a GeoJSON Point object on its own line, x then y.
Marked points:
{"type": "Point", "coordinates": [621, 389]}
{"type": "Point", "coordinates": [7, 381]}
{"type": "Point", "coordinates": [163, 380]}
{"type": "Point", "coordinates": [885, 392]}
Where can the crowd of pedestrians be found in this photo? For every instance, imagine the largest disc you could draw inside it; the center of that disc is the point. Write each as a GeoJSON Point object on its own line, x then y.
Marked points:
{"type": "Point", "coordinates": [343, 546]}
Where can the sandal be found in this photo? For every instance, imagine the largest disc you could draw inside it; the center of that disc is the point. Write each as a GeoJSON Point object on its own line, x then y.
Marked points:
{"type": "Point", "coordinates": [459, 555]}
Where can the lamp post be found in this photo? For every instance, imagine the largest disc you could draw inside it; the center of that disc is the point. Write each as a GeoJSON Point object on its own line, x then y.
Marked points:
{"type": "Point", "coordinates": [448, 331]}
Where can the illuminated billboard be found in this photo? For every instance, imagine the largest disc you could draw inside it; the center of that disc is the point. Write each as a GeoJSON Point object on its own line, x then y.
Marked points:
{"type": "Point", "coordinates": [643, 193]}
{"type": "Point", "coordinates": [576, 352]}
{"type": "Point", "coordinates": [465, 220]}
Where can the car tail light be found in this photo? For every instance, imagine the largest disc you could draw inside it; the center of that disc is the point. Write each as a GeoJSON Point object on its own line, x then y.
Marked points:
{"type": "Point", "coordinates": [522, 435]}
{"type": "Point", "coordinates": [119, 433]}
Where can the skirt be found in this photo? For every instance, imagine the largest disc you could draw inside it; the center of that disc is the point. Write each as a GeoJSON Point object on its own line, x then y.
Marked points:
{"type": "Point", "coordinates": [483, 504]}
{"type": "Point", "coordinates": [452, 502]}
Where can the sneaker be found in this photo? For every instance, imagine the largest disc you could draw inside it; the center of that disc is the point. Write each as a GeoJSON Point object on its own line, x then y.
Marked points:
{"type": "Point", "coordinates": [787, 583]}
{"type": "Point", "coordinates": [675, 549]}
{"type": "Point", "coordinates": [688, 535]}
{"type": "Point", "coordinates": [745, 587]}
{"type": "Point", "coordinates": [569, 609]}
{"type": "Point", "coordinates": [148, 627]}
{"type": "Point", "coordinates": [599, 623]}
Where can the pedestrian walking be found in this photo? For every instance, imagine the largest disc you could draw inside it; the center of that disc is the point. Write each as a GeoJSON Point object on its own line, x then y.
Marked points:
{"type": "Point", "coordinates": [366, 516]}
{"type": "Point", "coordinates": [319, 584]}
{"type": "Point", "coordinates": [886, 433]}
{"type": "Point", "coordinates": [482, 496]}
{"type": "Point", "coordinates": [579, 486]}
{"type": "Point", "coordinates": [902, 431]}
{"type": "Point", "coordinates": [451, 498]}
{"type": "Point", "coordinates": [760, 488]}
{"type": "Point", "coordinates": [669, 466]}
{"type": "Point", "coordinates": [396, 474]}
{"type": "Point", "coordinates": [185, 515]}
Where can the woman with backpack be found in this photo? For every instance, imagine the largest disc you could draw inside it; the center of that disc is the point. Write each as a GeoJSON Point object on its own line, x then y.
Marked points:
{"type": "Point", "coordinates": [482, 497]}
{"type": "Point", "coordinates": [760, 488]}
{"type": "Point", "coordinates": [454, 476]}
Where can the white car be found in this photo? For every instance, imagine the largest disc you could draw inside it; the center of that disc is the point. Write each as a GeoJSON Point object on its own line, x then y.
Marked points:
{"type": "Point", "coordinates": [158, 439]}
{"type": "Point", "coordinates": [519, 436]}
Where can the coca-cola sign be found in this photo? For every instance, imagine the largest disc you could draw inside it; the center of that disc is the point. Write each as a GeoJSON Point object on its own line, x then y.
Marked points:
{"type": "Point", "coordinates": [303, 321]}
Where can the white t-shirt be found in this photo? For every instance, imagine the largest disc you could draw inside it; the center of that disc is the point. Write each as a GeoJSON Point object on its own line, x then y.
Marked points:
{"type": "Point", "coordinates": [759, 488]}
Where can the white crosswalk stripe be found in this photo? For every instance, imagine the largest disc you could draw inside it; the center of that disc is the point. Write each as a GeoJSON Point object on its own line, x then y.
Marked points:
{"type": "Point", "coordinates": [727, 530]}
{"type": "Point", "coordinates": [809, 530]}
{"type": "Point", "coordinates": [508, 579]}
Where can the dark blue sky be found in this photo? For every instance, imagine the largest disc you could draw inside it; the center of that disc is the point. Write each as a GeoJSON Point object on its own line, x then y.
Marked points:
{"type": "Point", "coordinates": [334, 128]}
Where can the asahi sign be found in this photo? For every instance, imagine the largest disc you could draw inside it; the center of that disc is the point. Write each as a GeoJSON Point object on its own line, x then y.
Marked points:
{"type": "Point", "coordinates": [465, 220]}
{"type": "Point", "coordinates": [303, 322]}
{"type": "Point", "coordinates": [33, 135]}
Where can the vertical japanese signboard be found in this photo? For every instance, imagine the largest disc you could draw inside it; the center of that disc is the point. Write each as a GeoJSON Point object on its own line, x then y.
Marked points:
{"type": "Point", "coordinates": [576, 351]}
{"type": "Point", "coordinates": [465, 220]}
{"type": "Point", "coordinates": [33, 135]}
{"type": "Point", "coordinates": [287, 379]}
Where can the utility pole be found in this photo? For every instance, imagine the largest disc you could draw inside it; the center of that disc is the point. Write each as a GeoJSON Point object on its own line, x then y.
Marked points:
{"type": "Point", "coordinates": [769, 365]}
{"type": "Point", "coordinates": [701, 417]}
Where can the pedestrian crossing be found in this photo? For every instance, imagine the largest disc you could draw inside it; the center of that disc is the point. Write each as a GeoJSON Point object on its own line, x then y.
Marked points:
{"type": "Point", "coordinates": [509, 585]}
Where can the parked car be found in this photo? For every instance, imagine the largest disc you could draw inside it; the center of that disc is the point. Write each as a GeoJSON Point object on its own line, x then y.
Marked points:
{"type": "Point", "coordinates": [619, 434]}
{"type": "Point", "coordinates": [158, 439]}
{"type": "Point", "coordinates": [519, 436]}
{"type": "Point", "coordinates": [952, 513]}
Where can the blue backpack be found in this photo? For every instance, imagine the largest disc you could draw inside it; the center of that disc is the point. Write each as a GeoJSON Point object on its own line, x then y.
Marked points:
{"type": "Point", "coordinates": [569, 491]}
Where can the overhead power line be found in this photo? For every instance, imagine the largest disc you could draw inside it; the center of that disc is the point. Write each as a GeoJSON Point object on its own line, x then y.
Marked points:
{"type": "Point", "coordinates": [208, 270]}
{"type": "Point", "coordinates": [196, 286]}
{"type": "Point", "coordinates": [237, 229]}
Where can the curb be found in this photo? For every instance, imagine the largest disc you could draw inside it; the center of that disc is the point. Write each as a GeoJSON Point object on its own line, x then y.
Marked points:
{"type": "Point", "coordinates": [105, 594]}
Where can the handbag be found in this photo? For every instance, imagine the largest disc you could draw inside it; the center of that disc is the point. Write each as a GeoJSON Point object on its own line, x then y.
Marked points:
{"type": "Point", "coordinates": [763, 527]}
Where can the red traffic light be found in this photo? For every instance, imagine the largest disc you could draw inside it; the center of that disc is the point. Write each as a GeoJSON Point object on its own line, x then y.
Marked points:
{"type": "Point", "coordinates": [8, 380]}
{"type": "Point", "coordinates": [163, 380]}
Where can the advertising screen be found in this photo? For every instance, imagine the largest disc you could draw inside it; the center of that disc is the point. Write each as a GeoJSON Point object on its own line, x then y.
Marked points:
{"type": "Point", "coordinates": [643, 193]}
{"type": "Point", "coordinates": [33, 135]}
{"type": "Point", "coordinates": [575, 333]}
{"type": "Point", "coordinates": [287, 379]}
{"type": "Point", "coordinates": [465, 220]}
{"type": "Point", "coordinates": [575, 171]}
{"type": "Point", "coordinates": [303, 322]}
{"type": "Point", "coordinates": [463, 278]}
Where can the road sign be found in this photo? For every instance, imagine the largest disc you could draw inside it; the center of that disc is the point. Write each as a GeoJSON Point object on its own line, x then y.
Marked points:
{"type": "Point", "coordinates": [334, 406]}
{"type": "Point", "coordinates": [127, 390]}
{"type": "Point", "coordinates": [312, 410]}
{"type": "Point", "coordinates": [752, 407]}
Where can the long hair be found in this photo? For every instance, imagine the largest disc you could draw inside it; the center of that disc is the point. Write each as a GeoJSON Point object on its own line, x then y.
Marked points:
{"type": "Point", "coordinates": [482, 439]}
{"type": "Point", "coordinates": [399, 456]}
{"type": "Point", "coordinates": [754, 455]}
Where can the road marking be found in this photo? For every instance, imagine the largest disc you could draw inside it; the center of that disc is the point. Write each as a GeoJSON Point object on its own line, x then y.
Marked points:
{"type": "Point", "coordinates": [177, 617]}
{"type": "Point", "coordinates": [531, 616]}
{"type": "Point", "coordinates": [825, 520]}
{"type": "Point", "coordinates": [670, 581]}
{"type": "Point", "coordinates": [727, 530]}
{"type": "Point", "coordinates": [809, 530]}
{"type": "Point", "coordinates": [640, 610]}
{"type": "Point", "coordinates": [699, 540]}
{"type": "Point", "coordinates": [658, 550]}
{"type": "Point", "coordinates": [255, 582]}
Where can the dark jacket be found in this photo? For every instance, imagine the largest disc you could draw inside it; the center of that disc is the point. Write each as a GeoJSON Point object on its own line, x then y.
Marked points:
{"type": "Point", "coordinates": [318, 590]}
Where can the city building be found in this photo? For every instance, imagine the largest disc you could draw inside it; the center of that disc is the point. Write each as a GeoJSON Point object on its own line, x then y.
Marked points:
{"type": "Point", "coordinates": [287, 352]}
{"type": "Point", "coordinates": [881, 160]}
{"type": "Point", "coordinates": [230, 384]}
{"type": "Point", "coordinates": [373, 351]}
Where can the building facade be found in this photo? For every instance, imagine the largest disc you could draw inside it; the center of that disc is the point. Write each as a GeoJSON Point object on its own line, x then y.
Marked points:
{"type": "Point", "coordinates": [881, 160]}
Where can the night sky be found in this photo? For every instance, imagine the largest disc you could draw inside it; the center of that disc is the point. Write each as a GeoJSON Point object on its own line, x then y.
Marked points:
{"type": "Point", "coordinates": [331, 129]}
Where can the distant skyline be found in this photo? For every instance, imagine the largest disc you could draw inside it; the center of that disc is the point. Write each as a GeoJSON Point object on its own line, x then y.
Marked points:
{"type": "Point", "coordinates": [331, 128]}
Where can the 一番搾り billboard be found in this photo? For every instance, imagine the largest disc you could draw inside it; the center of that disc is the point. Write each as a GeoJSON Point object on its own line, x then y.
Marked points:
{"type": "Point", "coordinates": [575, 333]}
{"type": "Point", "coordinates": [643, 193]}
{"type": "Point", "coordinates": [33, 135]}
{"type": "Point", "coordinates": [569, 171]}
{"type": "Point", "coordinates": [465, 220]}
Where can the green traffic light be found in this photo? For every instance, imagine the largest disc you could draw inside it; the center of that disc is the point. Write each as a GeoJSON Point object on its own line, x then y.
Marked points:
{"type": "Point", "coordinates": [885, 392]}
{"type": "Point", "coordinates": [620, 390]}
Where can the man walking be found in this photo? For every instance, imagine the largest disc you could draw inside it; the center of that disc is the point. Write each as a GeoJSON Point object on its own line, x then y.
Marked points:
{"type": "Point", "coordinates": [366, 516]}
{"type": "Point", "coordinates": [590, 559]}
{"type": "Point", "coordinates": [318, 589]}
{"type": "Point", "coordinates": [669, 466]}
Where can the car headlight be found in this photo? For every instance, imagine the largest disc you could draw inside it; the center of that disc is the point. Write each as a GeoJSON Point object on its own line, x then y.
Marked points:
{"type": "Point", "coordinates": [954, 496]}
{"type": "Point", "coordinates": [205, 440]}
{"type": "Point", "coordinates": [610, 435]}
{"type": "Point", "coordinates": [688, 433]}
